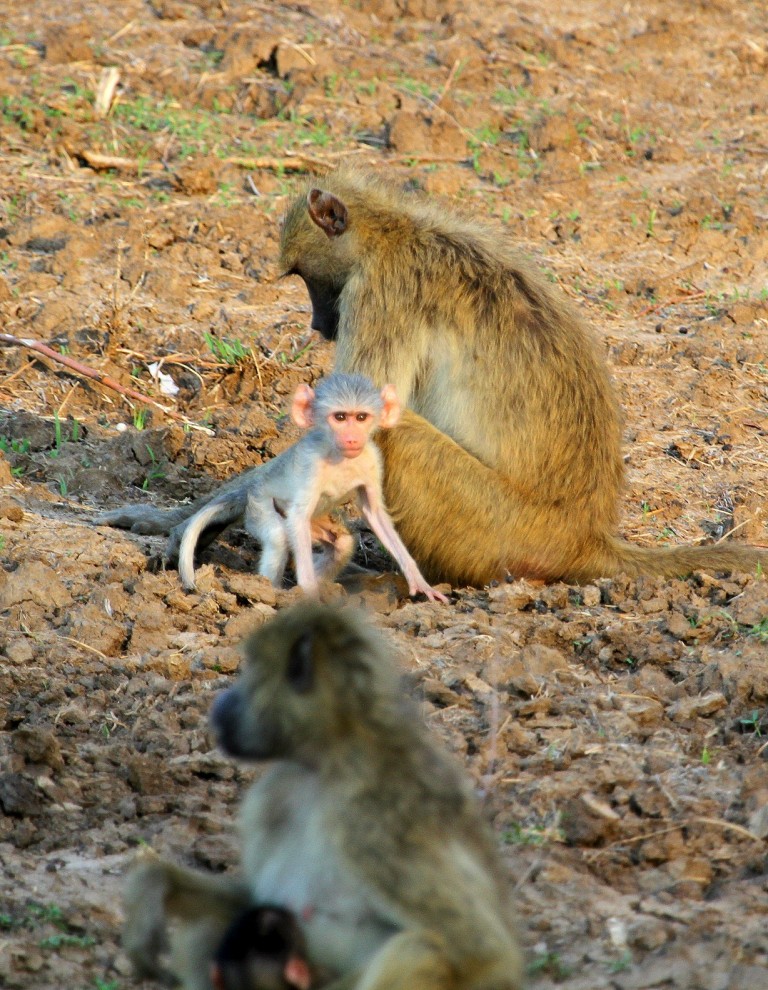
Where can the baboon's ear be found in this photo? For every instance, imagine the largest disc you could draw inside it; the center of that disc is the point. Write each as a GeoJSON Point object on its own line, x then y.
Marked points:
{"type": "Point", "coordinates": [328, 212]}
{"type": "Point", "coordinates": [300, 672]}
{"type": "Point", "coordinates": [303, 407]}
{"type": "Point", "coordinates": [390, 414]}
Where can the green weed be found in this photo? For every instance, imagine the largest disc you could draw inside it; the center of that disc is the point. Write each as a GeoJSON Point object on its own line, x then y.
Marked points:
{"type": "Point", "coordinates": [751, 722]}
{"type": "Point", "coordinates": [229, 350]}
{"type": "Point", "coordinates": [18, 110]}
{"type": "Point", "coordinates": [416, 86]}
{"type": "Point", "coordinates": [759, 630]}
{"type": "Point", "coordinates": [550, 964]}
{"type": "Point", "coordinates": [511, 96]}
{"type": "Point", "coordinates": [624, 962]}
{"type": "Point", "coordinates": [226, 196]}
{"type": "Point", "coordinates": [9, 446]}
{"type": "Point", "coordinates": [57, 441]}
{"type": "Point", "coordinates": [155, 473]}
{"type": "Point", "coordinates": [531, 835]}
{"type": "Point", "coordinates": [64, 938]}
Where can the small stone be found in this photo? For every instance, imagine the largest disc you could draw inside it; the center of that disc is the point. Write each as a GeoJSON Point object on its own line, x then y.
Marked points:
{"type": "Point", "coordinates": [644, 711]}
{"type": "Point", "coordinates": [700, 707]}
{"type": "Point", "coordinates": [147, 777]}
{"type": "Point", "coordinates": [37, 745]}
{"type": "Point", "coordinates": [647, 933]}
{"type": "Point", "coordinates": [20, 651]}
{"type": "Point", "coordinates": [584, 821]}
{"type": "Point", "coordinates": [253, 587]}
{"type": "Point", "coordinates": [517, 595]}
{"type": "Point", "coordinates": [248, 619]}
{"type": "Point", "coordinates": [11, 510]}
{"type": "Point", "coordinates": [590, 595]}
{"type": "Point", "coordinates": [541, 661]}
{"type": "Point", "coordinates": [679, 627]}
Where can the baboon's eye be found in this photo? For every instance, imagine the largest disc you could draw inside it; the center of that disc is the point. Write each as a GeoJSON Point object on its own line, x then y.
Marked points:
{"type": "Point", "coordinates": [300, 672]}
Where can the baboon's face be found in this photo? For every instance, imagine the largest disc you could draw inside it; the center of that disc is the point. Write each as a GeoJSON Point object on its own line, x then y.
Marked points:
{"type": "Point", "coordinates": [324, 296]}
{"type": "Point", "coordinates": [237, 732]}
{"type": "Point", "coordinates": [258, 718]}
{"type": "Point", "coordinates": [305, 682]}
{"type": "Point", "coordinates": [322, 261]}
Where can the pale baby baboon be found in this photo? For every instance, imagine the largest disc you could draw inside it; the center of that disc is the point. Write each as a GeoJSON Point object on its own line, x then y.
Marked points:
{"type": "Point", "coordinates": [285, 503]}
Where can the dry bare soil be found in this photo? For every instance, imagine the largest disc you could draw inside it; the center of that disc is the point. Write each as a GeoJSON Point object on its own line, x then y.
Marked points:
{"type": "Point", "coordinates": [619, 731]}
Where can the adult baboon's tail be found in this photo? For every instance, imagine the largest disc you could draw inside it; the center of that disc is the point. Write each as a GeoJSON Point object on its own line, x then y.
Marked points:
{"type": "Point", "coordinates": [626, 558]}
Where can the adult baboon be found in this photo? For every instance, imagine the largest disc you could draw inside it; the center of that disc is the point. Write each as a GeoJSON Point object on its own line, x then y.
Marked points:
{"type": "Point", "coordinates": [364, 829]}
{"type": "Point", "coordinates": [508, 459]}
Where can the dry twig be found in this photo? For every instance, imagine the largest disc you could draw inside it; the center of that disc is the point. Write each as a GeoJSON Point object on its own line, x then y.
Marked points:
{"type": "Point", "coordinates": [291, 163]}
{"type": "Point", "coordinates": [98, 376]}
{"type": "Point", "coordinates": [96, 160]}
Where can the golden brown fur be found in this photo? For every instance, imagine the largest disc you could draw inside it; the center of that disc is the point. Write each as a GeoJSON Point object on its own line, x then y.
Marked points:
{"type": "Point", "coordinates": [483, 351]}
{"type": "Point", "coordinates": [363, 827]}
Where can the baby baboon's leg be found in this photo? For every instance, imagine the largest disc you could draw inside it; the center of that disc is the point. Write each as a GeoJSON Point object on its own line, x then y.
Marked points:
{"type": "Point", "coordinates": [264, 523]}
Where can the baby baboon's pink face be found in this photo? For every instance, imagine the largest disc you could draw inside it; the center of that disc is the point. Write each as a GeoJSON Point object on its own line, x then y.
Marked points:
{"type": "Point", "coordinates": [351, 430]}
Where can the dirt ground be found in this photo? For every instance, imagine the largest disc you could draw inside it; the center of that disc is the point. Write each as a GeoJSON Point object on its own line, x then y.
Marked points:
{"type": "Point", "coordinates": [618, 731]}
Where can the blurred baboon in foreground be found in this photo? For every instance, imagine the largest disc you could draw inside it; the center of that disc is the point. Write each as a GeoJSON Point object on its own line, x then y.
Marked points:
{"type": "Point", "coordinates": [363, 828]}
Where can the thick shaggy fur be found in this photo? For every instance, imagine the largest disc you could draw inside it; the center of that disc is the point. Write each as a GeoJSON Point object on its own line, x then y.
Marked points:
{"type": "Point", "coordinates": [509, 460]}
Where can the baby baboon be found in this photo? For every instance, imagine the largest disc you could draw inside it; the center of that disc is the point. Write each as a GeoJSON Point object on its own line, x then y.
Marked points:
{"type": "Point", "coordinates": [508, 458]}
{"type": "Point", "coordinates": [285, 502]}
{"type": "Point", "coordinates": [363, 828]}
{"type": "Point", "coordinates": [263, 949]}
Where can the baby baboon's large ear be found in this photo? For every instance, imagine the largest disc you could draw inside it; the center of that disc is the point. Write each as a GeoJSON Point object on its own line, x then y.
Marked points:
{"type": "Point", "coordinates": [300, 670]}
{"type": "Point", "coordinates": [328, 212]}
{"type": "Point", "coordinates": [303, 407]}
